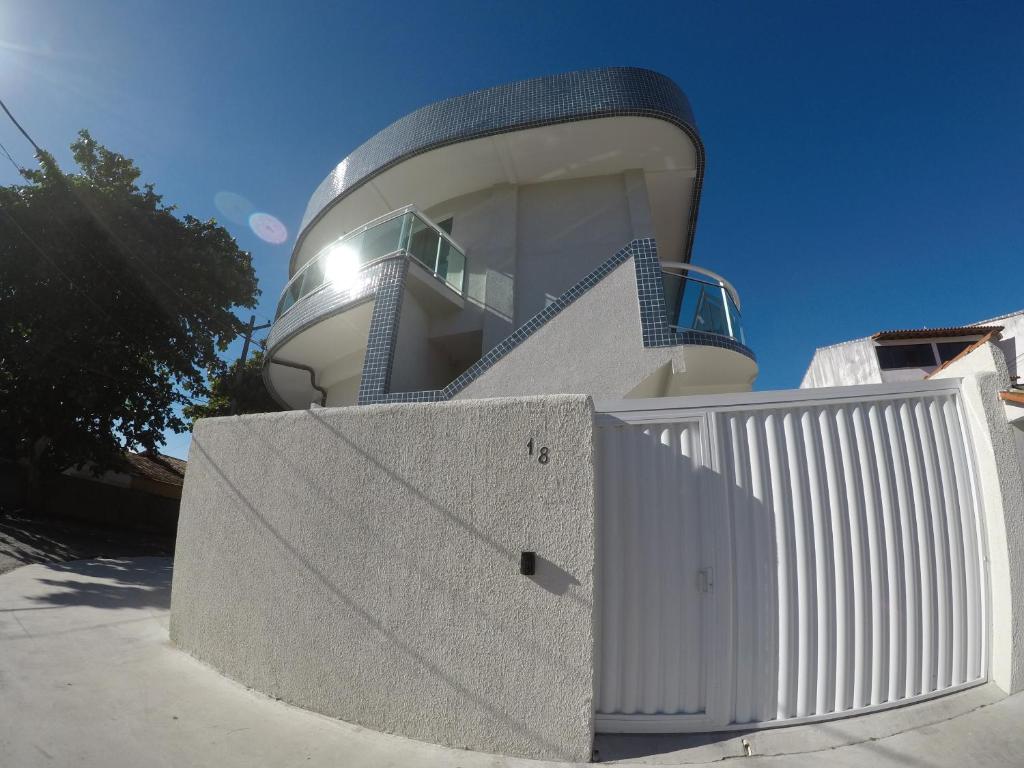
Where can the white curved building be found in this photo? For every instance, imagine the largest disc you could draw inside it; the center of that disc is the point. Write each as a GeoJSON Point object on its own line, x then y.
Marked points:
{"type": "Point", "coordinates": [432, 257]}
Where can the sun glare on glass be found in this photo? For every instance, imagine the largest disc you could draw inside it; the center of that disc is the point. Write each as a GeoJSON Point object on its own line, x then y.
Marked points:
{"type": "Point", "coordinates": [341, 267]}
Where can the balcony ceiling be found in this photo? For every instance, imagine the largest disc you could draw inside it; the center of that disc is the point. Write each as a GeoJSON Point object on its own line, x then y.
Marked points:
{"type": "Point", "coordinates": [334, 347]}
{"type": "Point", "coordinates": [574, 150]}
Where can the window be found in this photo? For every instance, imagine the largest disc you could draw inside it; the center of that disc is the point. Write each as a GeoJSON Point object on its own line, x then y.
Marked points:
{"type": "Point", "coordinates": [950, 349]}
{"type": "Point", "coordinates": [905, 356]}
{"type": "Point", "coordinates": [446, 225]}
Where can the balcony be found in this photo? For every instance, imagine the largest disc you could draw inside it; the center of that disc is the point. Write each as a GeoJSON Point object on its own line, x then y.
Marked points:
{"type": "Point", "coordinates": [317, 346]}
{"type": "Point", "coordinates": [406, 230]}
{"type": "Point", "coordinates": [698, 299]}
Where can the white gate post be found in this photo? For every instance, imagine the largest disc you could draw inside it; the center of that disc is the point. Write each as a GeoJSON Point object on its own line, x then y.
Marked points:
{"type": "Point", "coordinates": [983, 374]}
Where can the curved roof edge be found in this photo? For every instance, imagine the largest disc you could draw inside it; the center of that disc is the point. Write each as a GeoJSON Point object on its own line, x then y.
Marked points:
{"type": "Point", "coordinates": [562, 98]}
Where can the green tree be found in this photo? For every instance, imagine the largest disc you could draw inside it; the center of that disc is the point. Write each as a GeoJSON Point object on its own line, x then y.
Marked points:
{"type": "Point", "coordinates": [234, 392]}
{"type": "Point", "coordinates": [112, 309]}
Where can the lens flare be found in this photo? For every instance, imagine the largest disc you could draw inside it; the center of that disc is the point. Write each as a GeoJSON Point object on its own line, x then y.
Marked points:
{"type": "Point", "coordinates": [233, 207]}
{"type": "Point", "coordinates": [268, 228]}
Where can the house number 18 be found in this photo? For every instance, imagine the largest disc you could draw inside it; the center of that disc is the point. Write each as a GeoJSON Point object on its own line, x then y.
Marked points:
{"type": "Point", "coordinates": [542, 452]}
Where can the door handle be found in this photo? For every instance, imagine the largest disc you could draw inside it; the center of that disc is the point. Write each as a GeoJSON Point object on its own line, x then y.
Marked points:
{"type": "Point", "coordinates": [705, 580]}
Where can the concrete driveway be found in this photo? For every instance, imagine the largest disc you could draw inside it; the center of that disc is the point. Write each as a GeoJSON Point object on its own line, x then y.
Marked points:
{"type": "Point", "coordinates": [88, 678]}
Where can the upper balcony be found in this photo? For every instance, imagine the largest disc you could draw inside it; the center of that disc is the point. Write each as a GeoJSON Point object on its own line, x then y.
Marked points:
{"type": "Point", "coordinates": [698, 299]}
{"type": "Point", "coordinates": [324, 318]}
{"type": "Point", "coordinates": [340, 263]}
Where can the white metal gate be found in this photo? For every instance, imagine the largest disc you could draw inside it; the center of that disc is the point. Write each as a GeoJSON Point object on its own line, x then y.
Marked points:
{"type": "Point", "coordinates": [772, 557]}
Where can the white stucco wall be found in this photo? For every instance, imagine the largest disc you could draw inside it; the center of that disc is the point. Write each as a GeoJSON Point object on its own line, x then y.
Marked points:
{"type": "Point", "coordinates": [595, 346]}
{"type": "Point", "coordinates": [419, 364]}
{"type": "Point", "coordinates": [572, 352]}
{"type": "Point", "coordinates": [841, 365]}
{"type": "Point", "coordinates": [566, 230]}
{"type": "Point", "coordinates": [1001, 485]}
{"type": "Point", "coordinates": [527, 244]}
{"type": "Point", "coordinates": [363, 562]}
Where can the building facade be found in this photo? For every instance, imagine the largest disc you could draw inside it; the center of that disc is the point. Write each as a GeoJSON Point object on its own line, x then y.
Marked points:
{"type": "Point", "coordinates": [526, 239]}
{"type": "Point", "coordinates": [561, 511]}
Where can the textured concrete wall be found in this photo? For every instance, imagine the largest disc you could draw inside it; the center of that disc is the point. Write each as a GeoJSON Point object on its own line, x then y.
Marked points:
{"type": "Point", "coordinates": [418, 364]}
{"type": "Point", "coordinates": [595, 346]}
{"type": "Point", "coordinates": [363, 562]}
{"type": "Point", "coordinates": [1001, 485]}
{"type": "Point", "coordinates": [565, 230]}
{"type": "Point", "coordinates": [525, 245]}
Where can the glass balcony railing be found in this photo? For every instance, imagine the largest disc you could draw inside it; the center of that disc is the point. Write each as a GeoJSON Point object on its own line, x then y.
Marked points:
{"type": "Point", "coordinates": [700, 300]}
{"type": "Point", "coordinates": [403, 230]}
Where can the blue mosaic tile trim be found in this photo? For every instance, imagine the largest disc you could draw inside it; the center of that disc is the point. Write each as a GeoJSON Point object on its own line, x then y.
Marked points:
{"type": "Point", "coordinates": [383, 335]}
{"type": "Point", "coordinates": [650, 292]}
{"type": "Point", "coordinates": [321, 304]}
{"type": "Point", "coordinates": [562, 98]}
{"type": "Point", "coordinates": [654, 325]}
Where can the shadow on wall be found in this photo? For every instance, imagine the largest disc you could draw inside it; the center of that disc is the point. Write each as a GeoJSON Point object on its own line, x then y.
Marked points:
{"type": "Point", "coordinates": [844, 560]}
{"type": "Point", "coordinates": [554, 578]}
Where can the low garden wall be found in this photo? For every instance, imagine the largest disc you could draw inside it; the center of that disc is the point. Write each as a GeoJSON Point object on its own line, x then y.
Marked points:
{"type": "Point", "coordinates": [365, 563]}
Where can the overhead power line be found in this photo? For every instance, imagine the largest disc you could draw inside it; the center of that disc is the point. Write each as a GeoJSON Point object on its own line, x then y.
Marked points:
{"type": "Point", "coordinates": [18, 126]}
{"type": "Point", "coordinates": [14, 162]}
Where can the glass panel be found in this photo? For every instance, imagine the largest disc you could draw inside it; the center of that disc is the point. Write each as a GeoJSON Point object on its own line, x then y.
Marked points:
{"type": "Point", "coordinates": [346, 255]}
{"type": "Point", "coordinates": [700, 305]}
{"type": "Point", "coordinates": [284, 304]}
{"type": "Point", "coordinates": [737, 322]}
{"type": "Point", "coordinates": [709, 314]}
{"type": "Point", "coordinates": [423, 243]}
{"type": "Point", "coordinates": [313, 277]}
{"type": "Point", "coordinates": [291, 295]}
{"type": "Point", "coordinates": [703, 308]}
{"type": "Point", "coordinates": [381, 240]}
{"type": "Point", "coordinates": [950, 349]}
{"type": "Point", "coordinates": [673, 288]}
{"type": "Point", "coordinates": [451, 265]}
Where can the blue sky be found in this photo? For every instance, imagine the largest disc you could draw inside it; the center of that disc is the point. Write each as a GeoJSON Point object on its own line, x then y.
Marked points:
{"type": "Point", "coordinates": [865, 160]}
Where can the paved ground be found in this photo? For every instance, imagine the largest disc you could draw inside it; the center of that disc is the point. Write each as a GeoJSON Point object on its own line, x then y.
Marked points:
{"type": "Point", "coordinates": [25, 541]}
{"type": "Point", "coordinates": [88, 678]}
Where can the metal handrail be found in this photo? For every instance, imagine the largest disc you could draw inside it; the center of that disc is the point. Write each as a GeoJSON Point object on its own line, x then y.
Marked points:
{"type": "Point", "coordinates": [408, 216]}
{"type": "Point", "coordinates": [369, 225]}
{"type": "Point", "coordinates": [721, 281]}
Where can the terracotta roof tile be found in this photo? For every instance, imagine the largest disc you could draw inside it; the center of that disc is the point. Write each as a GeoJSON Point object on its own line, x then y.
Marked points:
{"type": "Point", "coordinates": [934, 333]}
{"type": "Point", "coordinates": [157, 467]}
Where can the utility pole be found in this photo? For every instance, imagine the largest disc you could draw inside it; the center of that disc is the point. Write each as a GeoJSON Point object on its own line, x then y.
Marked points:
{"type": "Point", "coordinates": [250, 330]}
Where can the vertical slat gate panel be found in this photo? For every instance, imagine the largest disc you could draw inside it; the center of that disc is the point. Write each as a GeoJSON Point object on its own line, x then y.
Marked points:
{"type": "Point", "coordinates": [854, 574]}
{"type": "Point", "coordinates": [649, 539]}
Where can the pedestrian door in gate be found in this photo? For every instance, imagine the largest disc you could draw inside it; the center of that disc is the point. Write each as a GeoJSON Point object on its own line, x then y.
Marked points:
{"type": "Point", "coordinates": [657, 570]}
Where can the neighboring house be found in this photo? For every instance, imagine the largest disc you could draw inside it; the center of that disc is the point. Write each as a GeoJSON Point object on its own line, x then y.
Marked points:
{"type": "Point", "coordinates": [911, 355]}
{"type": "Point", "coordinates": [144, 493]}
{"type": "Point", "coordinates": [152, 473]}
{"type": "Point", "coordinates": [642, 544]}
